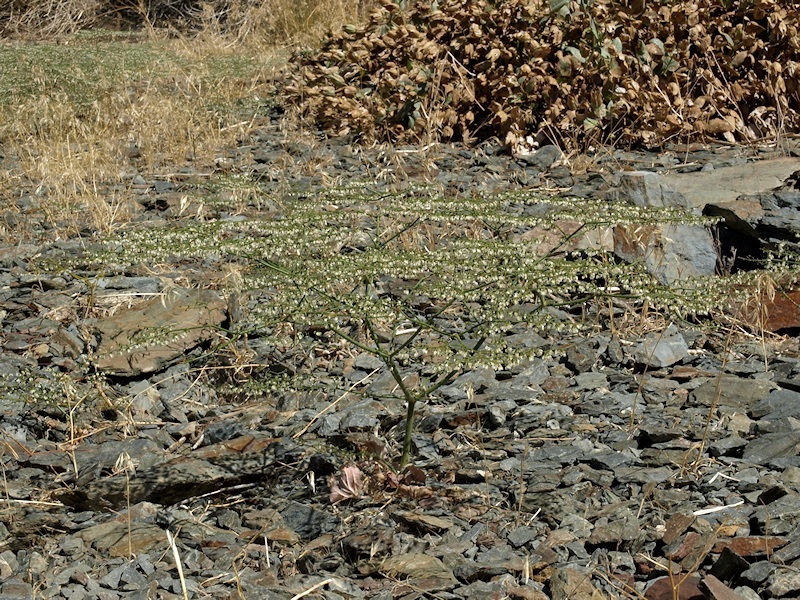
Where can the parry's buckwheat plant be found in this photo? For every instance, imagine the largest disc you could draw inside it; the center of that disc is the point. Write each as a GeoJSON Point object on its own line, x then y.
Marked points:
{"type": "Point", "coordinates": [432, 286]}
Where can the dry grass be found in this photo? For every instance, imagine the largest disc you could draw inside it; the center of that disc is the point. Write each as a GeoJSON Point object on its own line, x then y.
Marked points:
{"type": "Point", "coordinates": [82, 115]}
{"type": "Point", "coordinates": [279, 21]}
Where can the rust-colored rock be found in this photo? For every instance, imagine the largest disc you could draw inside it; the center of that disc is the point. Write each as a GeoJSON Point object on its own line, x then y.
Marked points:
{"type": "Point", "coordinates": [573, 583]}
{"type": "Point", "coordinates": [677, 524]}
{"type": "Point", "coordinates": [522, 592]}
{"type": "Point", "coordinates": [663, 588]}
{"type": "Point", "coordinates": [751, 545]}
{"type": "Point", "coordinates": [687, 545]}
{"type": "Point", "coordinates": [717, 590]}
{"type": "Point", "coordinates": [783, 311]}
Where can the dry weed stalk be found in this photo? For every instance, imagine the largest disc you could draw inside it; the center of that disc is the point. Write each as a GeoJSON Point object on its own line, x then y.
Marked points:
{"type": "Point", "coordinates": [126, 465]}
{"type": "Point", "coordinates": [178, 564]}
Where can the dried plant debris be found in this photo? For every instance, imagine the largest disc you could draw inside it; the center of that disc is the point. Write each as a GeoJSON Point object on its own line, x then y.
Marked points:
{"type": "Point", "coordinates": [574, 71]}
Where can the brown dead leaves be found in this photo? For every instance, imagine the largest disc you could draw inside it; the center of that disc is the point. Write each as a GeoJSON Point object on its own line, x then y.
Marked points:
{"type": "Point", "coordinates": [353, 483]}
{"type": "Point", "coordinates": [579, 71]}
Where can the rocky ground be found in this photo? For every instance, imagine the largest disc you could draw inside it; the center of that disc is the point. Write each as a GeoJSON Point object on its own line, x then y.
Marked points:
{"type": "Point", "coordinates": [624, 464]}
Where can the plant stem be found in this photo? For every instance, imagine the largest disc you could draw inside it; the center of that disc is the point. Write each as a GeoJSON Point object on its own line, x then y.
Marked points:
{"type": "Point", "coordinates": [408, 433]}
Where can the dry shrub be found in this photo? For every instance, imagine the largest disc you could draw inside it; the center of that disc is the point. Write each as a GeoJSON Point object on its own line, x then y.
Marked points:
{"type": "Point", "coordinates": [633, 72]}
{"type": "Point", "coordinates": [46, 17]}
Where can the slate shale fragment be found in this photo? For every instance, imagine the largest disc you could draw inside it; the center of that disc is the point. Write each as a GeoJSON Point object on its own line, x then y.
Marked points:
{"type": "Point", "coordinates": [565, 71]}
{"type": "Point", "coordinates": [156, 334]}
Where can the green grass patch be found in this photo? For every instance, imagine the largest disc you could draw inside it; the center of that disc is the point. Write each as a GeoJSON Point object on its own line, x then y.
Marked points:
{"type": "Point", "coordinates": [84, 68]}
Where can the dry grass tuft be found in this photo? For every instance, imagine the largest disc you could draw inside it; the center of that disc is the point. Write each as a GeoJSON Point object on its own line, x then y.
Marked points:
{"type": "Point", "coordinates": [79, 160]}
{"type": "Point", "coordinates": [278, 21]}
{"type": "Point", "coordinates": [81, 116]}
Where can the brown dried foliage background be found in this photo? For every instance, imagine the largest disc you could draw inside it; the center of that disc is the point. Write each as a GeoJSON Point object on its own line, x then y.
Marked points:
{"type": "Point", "coordinates": [576, 72]}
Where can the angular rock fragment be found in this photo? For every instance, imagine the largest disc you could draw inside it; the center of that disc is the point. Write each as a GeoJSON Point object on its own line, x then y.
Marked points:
{"type": "Point", "coordinates": [571, 584]}
{"type": "Point", "coordinates": [784, 583]}
{"type": "Point", "coordinates": [718, 590]}
{"type": "Point", "coordinates": [772, 446]}
{"type": "Point", "coordinates": [644, 188]}
{"type": "Point", "coordinates": [669, 252]}
{"type": "Point", "coordinates": [737, 393]}
{"type": "Point", "coordinates": [153, 335]}
{"type": "Point", "coordinates": [659, 350]}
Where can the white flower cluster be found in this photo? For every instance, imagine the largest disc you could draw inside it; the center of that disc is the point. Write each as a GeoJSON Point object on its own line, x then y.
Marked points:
{"type": "Point", "coordinates": [429, 267]}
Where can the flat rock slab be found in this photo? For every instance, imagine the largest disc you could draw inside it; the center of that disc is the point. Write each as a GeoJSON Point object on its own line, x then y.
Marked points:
{"type": "Point", "coordinates": [151, 336]}
{"type": "Point", "coordinates": [726, 184]}
{"type": "Point", "coordinates": [210, 469]}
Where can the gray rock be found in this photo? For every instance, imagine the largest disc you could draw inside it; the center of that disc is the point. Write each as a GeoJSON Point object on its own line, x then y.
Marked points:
{"type": "Point", "coordinates": [765, 448]}
{"type": "Point", "coordinates": [498, 560]}
{"type": "Point", "coordinates": [623, 527]}
{"type": "Point", "coordinates": [730, 180]}
{"type": "Point", "coordinates": [112, 579]}
{"type": "Point", "coordinates": [564, 454]}
{"type": "Point", "coordinates": [779, 517]}
{"type": "Point", "coordinates": [531, 376]}
{"type": "Point", "coordinates": [604, 402]}
{"type": "Point", "coordinates": [612, 460]}
{"type": "Point", "coordinates": [16, 589]}
{"type": "Point", "coordinates": [132, 579]}
{"type": "Point", "coordinates": [543, 158]}
{"type": "Point", "coordinates": [583, 355]}
{"type": "Point", "coordinates": [591, 381]}
{"type": "Point", "coordinates": [758, 572]}
{"type": "Point", "coordinates": [521, 536]}
{"type": "Point", "coordinates": [504, 391]}
{"type": "Point", "coordinates": [790, 552]}
{"type": "Point", "coordinates": [555, 504]}
{"type": "Point", "coordinates": [659, 350]}
{"type": "Point", "coordinates": [308, 522]}
{"type": "Point", "coordinates": [577, 525]}
{"type": "Point", "coordinates": [759, 218]}
{"type": "Point", "coordinates": [727, 446]}
{"type": "Point", "coordinates": [476, 380]}
{"type": "Point", "coordinates": [327, 425]}
{"type": "Point", "coordinates": [643, 475]}
{"type": "Point", "coordinates": [360, 416]}
{"type": "Point", "coordinates": [138, 285]}
{"type": "Point", "coordinates": [644, 188]}
{"type": "Point", "coordinates": [778, 405]}
{"type": "Point", "coordinates": [735, 392]}
{"type": "Point", "coordinates": [225, 430]}
{"type": "Point", "coordinates": [481, 589]}
{"type": "Point", "coordinates": [499, 411]}
{"type": "Point", "coordinates": [368, 362]}
{"type": "Point", "coordinates": [569, 583]}
{"type": "Point", "coordinates": [670, 252]}
{"type": "Point", "coordinates": [746, 593]}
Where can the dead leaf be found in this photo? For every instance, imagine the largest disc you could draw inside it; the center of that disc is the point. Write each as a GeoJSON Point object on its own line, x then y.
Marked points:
{"type": "Point", "coordinates": [348, 485]}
